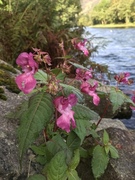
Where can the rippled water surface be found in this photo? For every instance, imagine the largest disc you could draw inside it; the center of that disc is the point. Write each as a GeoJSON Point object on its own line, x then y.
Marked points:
{"type": "Point", "coordinates": [118, 54]}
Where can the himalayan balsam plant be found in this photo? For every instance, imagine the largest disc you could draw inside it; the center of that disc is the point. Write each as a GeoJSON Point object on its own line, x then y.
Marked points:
{"type": "Point", "coordinates": [55, 122]}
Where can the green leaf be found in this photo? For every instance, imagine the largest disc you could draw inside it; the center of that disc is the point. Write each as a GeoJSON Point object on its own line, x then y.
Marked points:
{"type": "Point", "coordinates": [71, 89]}
{"type": "Point", "coordinates": [83, 152]}
{"type": "Point", "coordinates": [39, 112]}
{"type": "Point", "coordinates": [75, 160]}
{"type": "Point", "coordinates": [78, 66]}
{"type": "Point", "coordinates": [82, 116]}
{"type": "Point", "coordinates": [41, 76]}
{"type": "Point", "coordinates": [99, 161]}
{"type": "Point", "coordinates": [117, 98]}
{"type": "Point", "coordinates": [94, 133]}
{"type": "Point", "coordinates": [73, 141]}
{"type": "Point", "coordinates": [56, 144]}
{"type": "Point", "coordinates": [38, 150]}
{"type": "Point", "coordinates": [36, 177]}
{"type": "Point", "coordinates": [72, 175]}
{"type": "Point", "coordinates": [59, 74]}
{"type": "Point", "coordinates": [107, 149]}
{"type": "Point", "coordinates": [41, 160]}
{"type": "Point", "coordinates": [113, 152]}
{"type": "Point", "coordinates": [57, 167]}
{"type": "Point", "coordinates": [105, 138]}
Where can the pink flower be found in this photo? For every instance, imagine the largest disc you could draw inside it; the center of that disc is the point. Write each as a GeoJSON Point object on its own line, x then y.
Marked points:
{"type": "Point", "coordinates": [80, 46]}
{"type": "Point", "coordinates": [122, 78]}
{"type": "Point", "coordinates": [133, 99]}
{"type": "Point", "coordinates": [64, 105]}
{"type": "Point", "coordinates": [82, 74]}
{"type": "Point", "coordinates": [26, 81]}
{"type": "Point", "coordinates": [27, 62]}
{"type": "Point", "coordinates": [90, 90]}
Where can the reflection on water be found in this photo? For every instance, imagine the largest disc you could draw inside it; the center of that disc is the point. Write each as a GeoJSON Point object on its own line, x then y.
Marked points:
{"type": "Point", "coordinates": [119, 54]}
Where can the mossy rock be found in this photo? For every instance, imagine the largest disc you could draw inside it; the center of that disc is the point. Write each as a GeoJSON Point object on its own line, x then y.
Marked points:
{"type": "Point", "coordinates": [7, 79]}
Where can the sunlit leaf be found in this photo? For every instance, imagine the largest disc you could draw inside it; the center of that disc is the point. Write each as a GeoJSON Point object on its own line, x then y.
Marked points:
{"type": "Point", "coordinates": [113, 152]}
{"type": "Point", "coordinates": [34, 119]}
{"type": "Point", "coordinates": [37, 177]}
{"type": "Point", "coordinates": [99, 161]}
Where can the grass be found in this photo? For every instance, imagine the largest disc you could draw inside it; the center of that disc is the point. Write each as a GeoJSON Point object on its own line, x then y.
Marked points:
{"type": "Point", "coordinates": [114, 25]}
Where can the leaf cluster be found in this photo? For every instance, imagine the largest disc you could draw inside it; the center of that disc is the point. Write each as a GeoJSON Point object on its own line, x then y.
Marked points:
{"type": "Point", "coordinates": [58, 152]}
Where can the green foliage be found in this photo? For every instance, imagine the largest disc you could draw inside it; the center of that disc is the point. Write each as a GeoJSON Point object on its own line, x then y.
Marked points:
{"type": "Point", "coordinates": [101, 154]}
{"type": "Point", "coordinates": [37, 23]}
{"type": "Point", "coordinates": [36, 177]}
{"type": "Point", "coordinates": [105, 138]}
{"type": "Point", "coordinates": [118, 98]}
{"type": "Point", "coordinates": [72, 175]}
{"type": "Point", "coordinates": [56, 169]}
{"type": "Point", "coordinates": [99, 161]}
{"type": "Point", "coordinates": [75, 160]}
{"type": "Point", "coordinates": [39, 112]}
{"type": "Point", "coordinates": [113, 152]}
{"type": "Point", "coordinates": [83, 115]}
{"type": "Point", "coordinates": [111, 11]}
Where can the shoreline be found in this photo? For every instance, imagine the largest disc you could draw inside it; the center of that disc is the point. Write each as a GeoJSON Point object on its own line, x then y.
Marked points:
{"type": "Point", "coordinates": [130, 25]}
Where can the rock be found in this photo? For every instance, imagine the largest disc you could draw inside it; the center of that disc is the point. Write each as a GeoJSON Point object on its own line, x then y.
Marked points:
{"type": "Point", "coordinates": [7, 79]}
{"type": "Point", "coordinates": [123, 167]}
{"type": "Point", "coordinates": [9, 157]}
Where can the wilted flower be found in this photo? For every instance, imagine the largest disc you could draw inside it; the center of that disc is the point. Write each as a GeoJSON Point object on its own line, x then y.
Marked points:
{"type": "Point", "coordinates": [42, 56]}
{"type": "Point", "coordinates": [80, 46]}
{"type": "Point", "coordinates": [83, 75]}
{"type": "Point", "coordinates": [53, 85]}
{"type": "Point", "coordinates": [26, 81]}
{"type": "Point", "coordinates": [90, 90]}
{"type": "Point", "coordinates": [122, 78]}
{"type": "Point", "coordinates": [64, 106]}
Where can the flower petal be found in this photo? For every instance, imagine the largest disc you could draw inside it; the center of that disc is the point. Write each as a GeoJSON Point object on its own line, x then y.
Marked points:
{"type": "Point", "coordinates": [66, 120]}
{"type": "Point", "coordinates": [26, 82]}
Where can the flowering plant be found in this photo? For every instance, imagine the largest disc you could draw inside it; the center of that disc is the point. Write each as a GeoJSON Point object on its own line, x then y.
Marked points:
{"type": "Point", "coordinates": [56, 112]}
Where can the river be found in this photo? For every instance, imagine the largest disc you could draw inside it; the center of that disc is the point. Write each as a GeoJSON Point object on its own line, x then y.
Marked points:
{"type": "Point", "coordinates": [118, 54]}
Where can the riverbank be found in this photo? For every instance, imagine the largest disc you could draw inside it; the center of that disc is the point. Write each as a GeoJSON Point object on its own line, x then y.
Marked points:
{"type": "Point", "coordinates": [130, 25]}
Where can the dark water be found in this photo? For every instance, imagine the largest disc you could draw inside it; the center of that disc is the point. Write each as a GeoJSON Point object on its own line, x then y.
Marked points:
{"type": "Point", "coordinates": [118, 54]}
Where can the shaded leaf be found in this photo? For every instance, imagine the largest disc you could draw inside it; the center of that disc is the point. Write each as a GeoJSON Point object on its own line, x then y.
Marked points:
{"type": "Point", "coordinates": [38, 150]}
{"type": "Point", "coordinates": [59, 74]}
{"type": "Point", "coordinates": [57, 167]}
{"type": "Point", "coordinates": [56, 144]}
{"type": "Point", "coordinates": [73, 141]}
{"type": "Point", "coordinates": [83, 115]}
{"type": "Point", "coordinates": [83, 152]}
